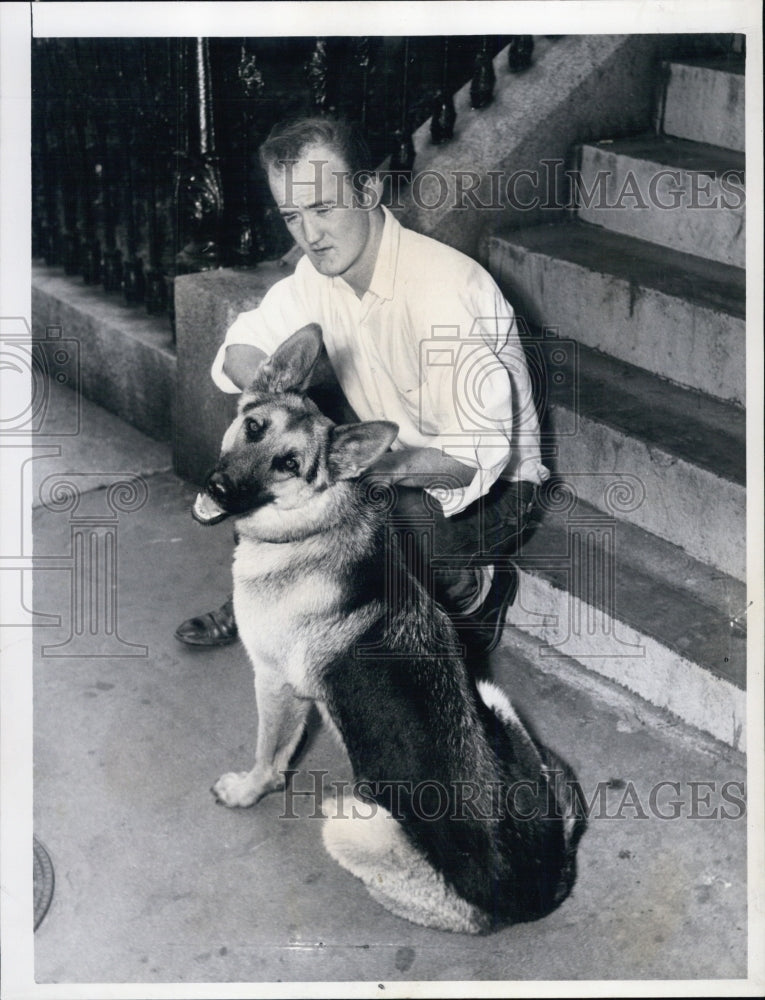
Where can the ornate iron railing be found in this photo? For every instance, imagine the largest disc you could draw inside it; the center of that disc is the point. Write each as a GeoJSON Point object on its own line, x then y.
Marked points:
{"type": "Point", "coordinates": [144, 160]}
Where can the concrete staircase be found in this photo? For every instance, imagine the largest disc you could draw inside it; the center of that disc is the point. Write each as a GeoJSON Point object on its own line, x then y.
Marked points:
{"type": "Point", "coordinates": [635, 306]}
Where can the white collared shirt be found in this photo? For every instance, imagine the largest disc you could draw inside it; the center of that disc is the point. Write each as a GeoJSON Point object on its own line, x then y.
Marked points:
{"type": "Point", "coordinates": [432, 345]}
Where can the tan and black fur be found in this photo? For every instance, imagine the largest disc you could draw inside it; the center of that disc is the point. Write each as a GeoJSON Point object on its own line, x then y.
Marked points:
{"type": "Point", "coordinates": [312, 601]}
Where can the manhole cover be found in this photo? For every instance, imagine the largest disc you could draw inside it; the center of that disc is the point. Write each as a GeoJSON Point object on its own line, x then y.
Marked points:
{"type": "Point", "coordinates": [43, 881]}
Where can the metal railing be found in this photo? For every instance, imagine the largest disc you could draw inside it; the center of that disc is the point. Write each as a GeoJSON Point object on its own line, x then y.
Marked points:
{"type": "Point", "coordinates": [144, 150]}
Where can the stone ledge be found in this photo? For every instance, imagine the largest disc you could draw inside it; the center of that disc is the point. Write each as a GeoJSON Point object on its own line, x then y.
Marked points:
{"type": "Point", "coordinates": [205, 306]}
{"type": "Point", "coordinates": [126, 358]}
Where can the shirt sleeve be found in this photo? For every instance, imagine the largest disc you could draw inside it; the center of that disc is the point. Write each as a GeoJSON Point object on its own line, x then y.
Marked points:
{"type": "Point", "coordinates": [281, 312]}
{"type": "Point", "coordinates": [478, 392]}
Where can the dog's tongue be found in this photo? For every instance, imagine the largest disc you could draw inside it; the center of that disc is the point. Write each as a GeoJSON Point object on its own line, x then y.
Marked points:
{"type": "Point", "coordinates": [206, 510]}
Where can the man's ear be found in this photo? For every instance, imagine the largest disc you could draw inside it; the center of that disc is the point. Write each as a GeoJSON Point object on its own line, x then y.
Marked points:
{"type": "Point", "coordinates": [369, 190]}
{"type": "Point", "coordinates": [354, 447]}
{"type": "Point", "coordinates": [290, 367]}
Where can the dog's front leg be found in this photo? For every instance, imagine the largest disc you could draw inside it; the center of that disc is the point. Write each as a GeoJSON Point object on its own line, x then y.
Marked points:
{"type": "Point", "coordinates": [281, 721]}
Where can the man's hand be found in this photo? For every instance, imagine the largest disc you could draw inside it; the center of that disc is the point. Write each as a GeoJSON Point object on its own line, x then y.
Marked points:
{"type": "Point", "coordinates": [241, 363]}
{"type": "Point", "coordinates": [421, 468]}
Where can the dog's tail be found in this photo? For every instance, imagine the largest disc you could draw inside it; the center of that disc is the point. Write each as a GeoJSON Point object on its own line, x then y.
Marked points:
{"type": "Point", "coordinates": [499, 704]}
{"type": "Point", "coordinates": [568, 790]}
{"type": "Point", "coordinates": [495, 698]}
{"type": "Point", "coordinates": [564, 793]}
{"type": "Point", "coordinates": [570, 804]}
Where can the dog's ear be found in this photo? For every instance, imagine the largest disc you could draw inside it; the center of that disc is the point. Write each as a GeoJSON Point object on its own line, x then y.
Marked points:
{"type": "Point", "coordinates": [354, 447]}
{"type": "Point", "coordinates": [290, 366]}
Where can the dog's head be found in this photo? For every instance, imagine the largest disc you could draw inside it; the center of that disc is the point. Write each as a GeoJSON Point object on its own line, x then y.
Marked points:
{"type": "Point", "coordinates": [280, 451]}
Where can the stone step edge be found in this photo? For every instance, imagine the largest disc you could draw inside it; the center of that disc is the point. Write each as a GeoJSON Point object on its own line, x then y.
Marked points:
{"type": "Point", "coordinates": [655, 673]}
{"type": "Point", "coordinates": [734, 63]}
{"type": "Point", "coordinates": [624, 184]}
{"type": "Point", "coordinates": [666, 277]}
{"type": "Point", "coordinates": [152, 331]}
{"type": "Point", "coordinates": [675, 93]}
{"type": "Point", "coordinates": [672, 152]}
{"type": "Point", "coordinates": [688, 505]}
{"type": "Point", "coordinates": [123, 358]}
{"type": "Point", "coordinates": [540, 267]}
{"type": "Point", "coordinates": [633, 709]}
{"type": "Point", "coordinates": [639, 579]}
{"type": "Point", "coordinates": [669, 404]}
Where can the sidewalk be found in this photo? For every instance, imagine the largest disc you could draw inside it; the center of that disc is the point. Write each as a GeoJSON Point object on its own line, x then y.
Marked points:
{"type": "Point", "coordinates": [156, 884]}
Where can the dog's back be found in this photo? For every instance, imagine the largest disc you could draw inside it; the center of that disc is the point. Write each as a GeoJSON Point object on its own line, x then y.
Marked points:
{"type": "Point", "coordinates": [451, 761]}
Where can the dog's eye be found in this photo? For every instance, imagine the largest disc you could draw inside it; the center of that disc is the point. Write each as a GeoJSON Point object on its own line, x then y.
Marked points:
{"type": "Point", "coordinates": [286, 463]}
{"type": "Point", "coordinates": [254, 428]}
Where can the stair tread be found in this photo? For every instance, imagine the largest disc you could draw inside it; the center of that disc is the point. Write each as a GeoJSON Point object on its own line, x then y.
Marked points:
{"type": "Point", "coordinates": [659, 590]}
{"type": "Point", "coordinates": [680, 154]}
{"type": "Point", "coordinates": [685, 424]}
{"type": "Point", "coordinates": [732, 63]}
{"type": "Point", "coordinates": [639, 262]}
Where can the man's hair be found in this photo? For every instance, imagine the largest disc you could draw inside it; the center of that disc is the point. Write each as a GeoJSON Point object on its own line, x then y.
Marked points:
{"type": "Point", "coordinates": [287, 140]}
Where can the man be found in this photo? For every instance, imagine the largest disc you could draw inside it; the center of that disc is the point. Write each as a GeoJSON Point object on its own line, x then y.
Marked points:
{"type": "Point", "coordinates": [416, 333]}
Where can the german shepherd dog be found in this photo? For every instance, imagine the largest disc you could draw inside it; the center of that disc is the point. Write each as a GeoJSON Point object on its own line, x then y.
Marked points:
{"type": "Point", "coordinates": [459, 819]}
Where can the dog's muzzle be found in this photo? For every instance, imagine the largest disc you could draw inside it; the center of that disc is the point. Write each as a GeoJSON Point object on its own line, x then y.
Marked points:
{"type": "Point", "coordinates": [223, 497]}
{"type": "Point", "coordinates": [206, 509]}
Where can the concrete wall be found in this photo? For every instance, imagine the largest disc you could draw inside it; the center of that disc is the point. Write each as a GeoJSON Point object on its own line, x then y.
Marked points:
{"type": "Point", "coordinates": [205, 306]}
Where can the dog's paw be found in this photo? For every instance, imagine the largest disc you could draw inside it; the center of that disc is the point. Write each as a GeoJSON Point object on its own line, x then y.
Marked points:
{"type": "Point", "coordinates": [235, 789]}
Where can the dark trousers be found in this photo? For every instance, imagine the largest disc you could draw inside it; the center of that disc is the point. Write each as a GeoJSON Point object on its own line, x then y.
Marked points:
{"type": "Point", "coordinates": [446, 553]}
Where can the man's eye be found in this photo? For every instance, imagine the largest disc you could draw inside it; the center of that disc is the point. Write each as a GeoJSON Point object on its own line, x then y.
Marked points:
{"type": "Point", "coordinates": [324, 209]}
{"type": "Point", "coordinates": [290, 219]}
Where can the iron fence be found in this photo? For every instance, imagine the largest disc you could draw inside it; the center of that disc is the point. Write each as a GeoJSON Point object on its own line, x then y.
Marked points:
{"type": "Point", "coordinates": [144, 158]}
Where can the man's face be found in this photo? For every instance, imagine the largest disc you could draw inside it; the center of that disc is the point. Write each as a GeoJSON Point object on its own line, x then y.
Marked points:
{"type": "Point", "coordinates": [316, 200]}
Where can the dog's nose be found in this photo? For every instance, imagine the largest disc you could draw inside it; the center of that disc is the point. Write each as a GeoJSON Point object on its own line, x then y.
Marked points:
{"type": "Point", "coordinates": [219, 487]}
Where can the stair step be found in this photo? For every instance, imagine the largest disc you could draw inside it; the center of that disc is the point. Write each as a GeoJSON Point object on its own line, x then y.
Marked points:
{"type": "Point", "coordinates": [673, 314]}
{"type": "Point", "coordinates": [704, 101]}
{"type": "Point", "coordinates": [125, 359]}
{"type": "Point", "coordinates": [624, 183]}
{"type": "Point", "coordinates": [672, 460]}
{"type": "Point", "coordinates": [632, 607]}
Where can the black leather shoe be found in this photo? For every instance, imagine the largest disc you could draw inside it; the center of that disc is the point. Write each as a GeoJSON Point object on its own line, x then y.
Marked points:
{"type": "Point", "coordinates": [216, 628]}
{"type": "Point", "coordinates": [482, 630]}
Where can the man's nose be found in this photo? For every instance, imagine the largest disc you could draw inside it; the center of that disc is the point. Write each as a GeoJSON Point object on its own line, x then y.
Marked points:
{"type": "Point", "coordinates": [311, 229]}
